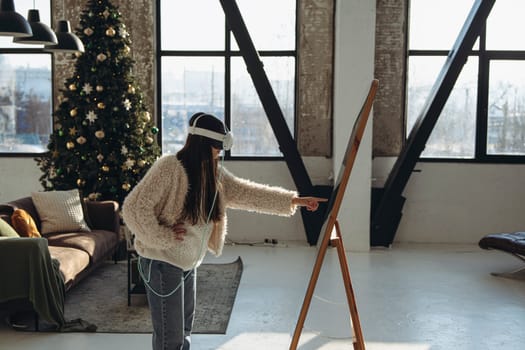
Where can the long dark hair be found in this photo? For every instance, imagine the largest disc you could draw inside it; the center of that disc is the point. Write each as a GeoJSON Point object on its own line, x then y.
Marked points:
{"type": "Point", "coordinates": [197, 159]}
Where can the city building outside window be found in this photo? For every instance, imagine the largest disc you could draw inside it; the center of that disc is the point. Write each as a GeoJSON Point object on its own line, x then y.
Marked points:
{"type": "Point", "coordinates": [26, 91]}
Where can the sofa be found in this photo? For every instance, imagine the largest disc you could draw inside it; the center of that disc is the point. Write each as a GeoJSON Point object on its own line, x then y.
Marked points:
{"type": "Point", "coordinates": [74, 253]}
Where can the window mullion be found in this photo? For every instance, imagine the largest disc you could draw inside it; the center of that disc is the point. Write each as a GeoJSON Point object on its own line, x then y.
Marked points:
{"type": "Point", "coordinates": [483, 96]}
{"type": "Point", "coordinates": [227, 80]}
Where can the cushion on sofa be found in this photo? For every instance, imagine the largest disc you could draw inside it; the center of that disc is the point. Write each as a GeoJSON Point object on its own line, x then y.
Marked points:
{"type": "Point", "coordinates": [24, 224]}
{"type": "Point", "coordinates": [6, 230]}
{"type": "Point", "coordinates": [72, 261]}
{"type": "Point", "coordinates": [97, 243]}
{"type": "Point", "coordinates": [60, 211]}
{"type": "Point", "coordinates": [25, 203]}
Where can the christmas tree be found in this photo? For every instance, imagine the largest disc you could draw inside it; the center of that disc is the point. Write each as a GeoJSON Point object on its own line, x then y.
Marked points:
{"type": "Point", "coordinates": [103, 139]}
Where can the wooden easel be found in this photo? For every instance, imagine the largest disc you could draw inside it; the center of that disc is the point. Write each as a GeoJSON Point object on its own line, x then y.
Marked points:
{"type": "Point", "coordinates": [337, 240]}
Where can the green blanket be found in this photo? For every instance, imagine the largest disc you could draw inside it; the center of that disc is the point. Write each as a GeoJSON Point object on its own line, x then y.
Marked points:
{"type": "Point", "coordinates": [27, 271]}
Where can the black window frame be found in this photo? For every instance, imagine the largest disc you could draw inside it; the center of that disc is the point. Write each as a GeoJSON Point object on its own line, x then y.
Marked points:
{"type": "Point", "coordinates": [484, 58]}
{"type": "Point", "coordinates": [227, 54]}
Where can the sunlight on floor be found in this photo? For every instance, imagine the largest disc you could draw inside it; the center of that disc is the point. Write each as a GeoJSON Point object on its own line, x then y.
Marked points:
{"type": "Point", "coordinates": [311, 341]}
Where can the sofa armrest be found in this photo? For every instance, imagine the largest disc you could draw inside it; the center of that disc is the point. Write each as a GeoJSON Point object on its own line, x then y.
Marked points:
{"type": "Point", "coordinates": [104, 215]}
{"type": "Point", "coordinates": [25, 203]}
{"type": "Point", "coordinates": [5, 212]}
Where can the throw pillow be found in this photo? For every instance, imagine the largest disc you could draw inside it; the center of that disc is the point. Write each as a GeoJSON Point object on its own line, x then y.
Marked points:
{"type": "Point", "coordinates": [6, 230]}
{"type": "Point", "coordinates": [60, 211]}
{"type": "Point", "coordinates": [24, 224]}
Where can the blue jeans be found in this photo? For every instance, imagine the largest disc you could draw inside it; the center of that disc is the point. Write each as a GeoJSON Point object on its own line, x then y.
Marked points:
{"type": "Point", "coordinates": [171, 303]}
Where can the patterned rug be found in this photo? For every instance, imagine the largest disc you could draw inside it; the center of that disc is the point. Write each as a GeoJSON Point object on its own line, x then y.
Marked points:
{"type": "Point", "coordinates": [101, 299]}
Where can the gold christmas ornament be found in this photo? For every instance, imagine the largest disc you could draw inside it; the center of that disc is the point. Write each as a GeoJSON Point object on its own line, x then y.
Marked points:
{"type": "Point", "coordinates": [105, 168]}
{"type": "Point", "coordinates": [126, 186]}
{"type": "Point", "coordinates": [110, 32]}
{"type": "Point", "coordinates": [139, 131]}
{"type": "Point", "coordinates": [149, 140]}
{"type": "Point", "coordinates": [141, 163]}
{"type": "Point", "coordinates": [127, 50]}
{"type": "Point", "coordinates": [94, 195]}
{"type": "Point", "coordinates": [72, 87]}
{"type": "Point", "coordinates": [101, 57]}
{"type": "Point", "coordinates": [131, 89]}
{"type": "Point", "coordinates": [81, 140]}
{"type": "Point", "coordinates": [101, 105]}
{"type": "Point", "coordinates": [81, 182]}
{"type": "Point", "coordinates": [146, 116]}
{"type": "Point", "coordinates": [100, 134]}
{"type": "Point", "coordinates": [99, 88]}
{"type": "Point", "coordinates": [70, 145]}
{"type": "Point", "coordinates": [73, 112]}
{"type": "Point", "coordinates": [88, 31]}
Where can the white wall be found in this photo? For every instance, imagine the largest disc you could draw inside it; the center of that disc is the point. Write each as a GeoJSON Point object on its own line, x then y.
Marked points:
{"type": "Point", "coordinates": [250, 227]}
{"type": "Point", "coordinates": [353, 71]}
{"type": "Point", "coordinates": [18, 178]}
{"type": "Point", "coordinates": [458, 203]}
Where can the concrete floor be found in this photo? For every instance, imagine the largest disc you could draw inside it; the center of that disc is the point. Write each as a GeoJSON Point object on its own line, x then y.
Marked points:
{"type": "Point", "coordinates": [409, 297]}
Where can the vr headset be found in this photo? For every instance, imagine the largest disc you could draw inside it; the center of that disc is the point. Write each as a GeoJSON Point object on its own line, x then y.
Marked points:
{"type": "Point", "coordinates": [226, 140]}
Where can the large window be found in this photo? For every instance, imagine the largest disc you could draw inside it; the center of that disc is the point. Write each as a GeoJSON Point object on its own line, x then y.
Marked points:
{"type": "Point", "coordinates": [202, 69]}
{"type": "Point", "coordinates": [25, 91]}
{"type": "Point", "coordinates": [484, 117]}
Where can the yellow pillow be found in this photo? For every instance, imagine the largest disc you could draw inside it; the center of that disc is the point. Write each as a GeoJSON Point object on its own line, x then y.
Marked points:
{"type": "Point", "coordinates": [24, 224]}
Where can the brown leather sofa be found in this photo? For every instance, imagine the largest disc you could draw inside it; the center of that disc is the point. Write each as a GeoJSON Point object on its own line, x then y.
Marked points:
{"type": "Point", "coordinates": [77, 253]}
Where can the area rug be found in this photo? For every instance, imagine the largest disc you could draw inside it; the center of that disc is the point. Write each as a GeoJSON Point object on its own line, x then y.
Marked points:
{"type": "Point", "coordinates": [101, 299]}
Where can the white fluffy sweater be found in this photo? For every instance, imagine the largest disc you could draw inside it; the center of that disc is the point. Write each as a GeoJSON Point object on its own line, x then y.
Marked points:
{"type": "Point", "coordinates": [155, 204]}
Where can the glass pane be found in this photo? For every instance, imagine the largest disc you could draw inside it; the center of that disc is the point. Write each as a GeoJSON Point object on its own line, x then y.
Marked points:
{"type": "Point", "coordinates": [192, 25]}
{"type": "Point", "coordinates": [270, 23]}
{"type": "Point", "coordinates": [25, 102]}
{"type": "Point", "coordinates": [506, 113]}
{"type": "Point", "coordinates": [455, 131]}
{"type": "Point", "coordinates": [22, 7]}
{"type": "Point", "coordinates": [504, 23]}
{"type": "Point", "coordinates": [435, 25]}
{"type": "Point", "coordinates": [189, 85]}
{"type": "Point", "coordinates": [250, 126]}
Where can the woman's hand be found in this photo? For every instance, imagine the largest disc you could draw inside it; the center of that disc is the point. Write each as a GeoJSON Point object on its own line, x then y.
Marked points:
{"type": "Point", "coordinates": [311, 203]}
{"type": "Point", "coordinates": [179, 231]}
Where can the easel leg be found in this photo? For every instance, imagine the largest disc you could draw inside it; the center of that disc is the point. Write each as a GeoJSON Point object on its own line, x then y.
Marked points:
{"type": "Point", "coordinates": [337, 241]}
{"type": "Point", "coordinates": [309, 292]}
{"type": "Point", "coordinates": [359, 343]}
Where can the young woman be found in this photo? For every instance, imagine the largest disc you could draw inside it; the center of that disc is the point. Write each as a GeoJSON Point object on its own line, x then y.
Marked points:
{"type": "Point", "coordinates": [178, 212]}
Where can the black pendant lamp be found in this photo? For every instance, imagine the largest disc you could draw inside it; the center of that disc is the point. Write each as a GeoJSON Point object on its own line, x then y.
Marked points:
{"type": "Point", "coordinates": [42, 34]}
{"type": "Point", "coordinates": [67, 41]}
{"type": "Point", "coordinates": [12, 23]}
